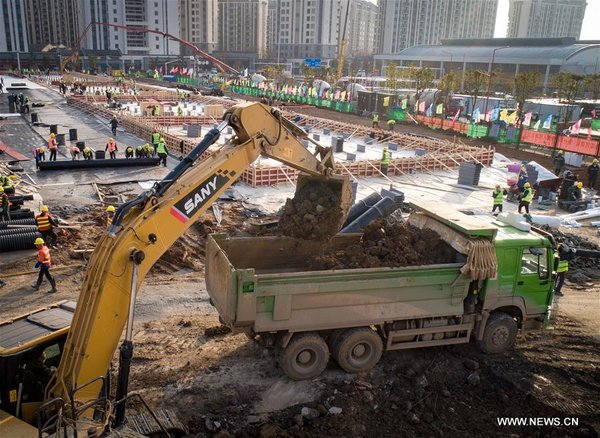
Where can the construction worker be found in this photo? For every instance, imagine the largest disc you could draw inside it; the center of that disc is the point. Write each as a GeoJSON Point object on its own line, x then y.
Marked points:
{"type": "Point", "coordinates": [593, 173]}
{"type": "Point", "coordinates": [40, 155]}
{"type": "Point", "coordinates": [155, 139]}
{"type": "Point", "coordinates": [148, 150]}
{"type": "Point", "coordinates": [4, 205]}
{"type": "Point", "coordinates": [574, 192]}
{"type": "Point", "coordinates": [46, 224]}
{"type": "Point", "coordinates": [44, 262]}
{"type": "Point", "coordinates": [52, 146]}
{"type": "Point", "coordinates": [139, 151]}
{"type": "Point", "coordinates": [525, 198]}
{"type": "Point", "coordinates": [110, 214]}
{"type": "Point", "coordinates": [27, 105]}
{"type": "Point", "coordinates": [385, 161]}
{"type": "Point", "coordinates": [179, 111]}
{"type": "Point", "coordinates": [75, 153]}
{"type": "Point", "coordinates": [128, 152]}
{"type": "Point", "coordinates": [375, 120]}
{"type": "Point", "coordinates": [162, 151]}
{"type": "Point", "coordinates": [498, 196]}
{"type": "Point", "coordinates": [391, 123]}
{"type": "Point", "coordinates": [112, 148]}
{"type": "Point", "coordinates": [113, 125]}
{"type": "Point", "coordinates": [558, 162]}
{"type": "Point", "coordinates": [561, 265]}
{"type": "Point", "coordinates": [87, 153]}
{"type": "Point", "coordinates": [6, 183]}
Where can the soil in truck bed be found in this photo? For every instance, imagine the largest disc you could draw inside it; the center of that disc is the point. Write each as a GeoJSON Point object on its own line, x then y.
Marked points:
{"type": "Point", "coordinates": [385, 245]}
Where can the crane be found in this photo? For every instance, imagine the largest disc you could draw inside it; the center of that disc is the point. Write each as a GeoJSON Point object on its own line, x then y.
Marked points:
{"type": "Point", "coordinates": [75, 53]}
{"type": "Point", "coordinates": [343, 46]}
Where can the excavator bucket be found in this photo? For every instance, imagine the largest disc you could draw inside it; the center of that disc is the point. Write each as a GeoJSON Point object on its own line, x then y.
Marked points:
{"type": "Point", "coordinates": [318, 209]}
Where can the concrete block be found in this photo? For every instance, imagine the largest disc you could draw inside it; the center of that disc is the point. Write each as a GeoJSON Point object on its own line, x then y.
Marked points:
{"type": "Point", "coordinates": [368, 140]}
{"type": "Point", "coordinates": [361, 148]}
{"type": "Point", "coordinates": [420, 152]}
{"type": "Point", "coordinates": [326, 131]}
{"type": "Point", "coordinates": [193, 130]}
{"type": "Point", "coordinates": [350, 157]}
{"type": "Point", "coordinates": [392, 146]}
{"type": "Point", "coordinates": [316, 137]}
{"type": "Point", "coordinates": [305, 143]}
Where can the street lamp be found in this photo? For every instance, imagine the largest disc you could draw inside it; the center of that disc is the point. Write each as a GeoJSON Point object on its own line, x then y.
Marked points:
{"type": "Point", "coordinates": [487, 96]}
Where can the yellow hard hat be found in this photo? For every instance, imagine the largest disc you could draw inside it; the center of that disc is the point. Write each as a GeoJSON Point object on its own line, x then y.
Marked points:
{"type": "Point", "coordinates": [147, 145]}
{"type": "Point", "coordinates": [579, 185]}
{"type": "Point", "coordinates": [52, 135]}
{"type": "Point", "coordinates": [110, 209]}
{"type": "Point", "coordinates": [498, 186]}
{"type": "Point", "coordinates": [110, 139]}
{"type": "Point", "coordinates": [594, 161]}
{"type": "Point", "coordinates": [44, 208]}
{"type": "Point", "coordinates": [42, 150]}
{"type": "Point", "coordinates": [39, 241]}
{"type": "Point", "coordinates": [527, 185]}
{"type": "Point", "coordinates": [561, 152]}
{"type": "Point", "coordinates": [1, 189]}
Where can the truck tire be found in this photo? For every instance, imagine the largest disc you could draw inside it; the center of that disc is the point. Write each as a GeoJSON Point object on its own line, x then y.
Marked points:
{"type": "Point", "coordinates": [499, 335]}
{"type": "Point", "coordinates": [305, 357]}
{"type": "Point", "coordinates": [358, 350]}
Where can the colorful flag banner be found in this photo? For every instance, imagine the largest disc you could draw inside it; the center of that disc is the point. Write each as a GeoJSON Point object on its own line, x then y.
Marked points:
{"type": "Point", "coordinates": [576, 127]}
{"type": "Point", "coordinates": [476, 115]}
{"type": "Point", "coordinates": [386, 101]}
{"type": "Point", "coordinates": [430, 110]}
{"type": "Point", "coordinates": [503, 115]}
{"type": "Point", "coordinates": [512, 118]}
{"type": "Point", "coordinates": [404, 103]}
{"type": "Point", "coordinates": [439, 109]}
{"type": "Point", "coordinates": [537, 125]}
{"type": "Point", "coordinates": [455, 116]}
{"type": "Point", "coordinates": [548, 122]}
{"type": "Point", "coordinates": [495, 114]}
{"type": "Point", "coordinates": [527, 119]}
{"type": "Point", "coordinates": [422, 107]}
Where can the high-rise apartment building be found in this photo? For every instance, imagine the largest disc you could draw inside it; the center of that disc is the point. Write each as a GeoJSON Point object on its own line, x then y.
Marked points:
{"type": "Point", "coordinates": [13, 26]}
{"type": "Point", "coordinates": [546, 18]}
{"type": "Point", "coordinates": [160, 15]}
{"type": "Point", "coordinates": [308, 28]}
{"type": "Point", "coordinates": [360, 17]}
{"type": "Point", "coordinates": [54, 22]}
{"type": "Point", "coordinates": [272, 29]}
{"type": "Point", "coordinates": [407, 23]}
{"type": "Point", "coordinates": [94, 11]}
{"type": "Point", "coordinates": [198, 23]}
{"type": "Point", "coordinates": [243, 26]}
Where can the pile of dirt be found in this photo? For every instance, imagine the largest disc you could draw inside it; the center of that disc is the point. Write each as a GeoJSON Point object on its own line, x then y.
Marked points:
{"type": "Point", "coordinates": [581, 269]}
{"type": "Point", "coordinates": [313, 214]}
{"type": "Point", "coordinates": [388, 245]}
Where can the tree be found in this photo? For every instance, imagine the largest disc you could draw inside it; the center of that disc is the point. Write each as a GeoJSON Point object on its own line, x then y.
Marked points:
{"type": "Point", "coordinates": [93, 61]}
{"type": "Point", "coordinates": [273, 72]}
{"type": "Point", "coordinates": [391, 76]}
{"type": "Point", "coordinates": [475, 82]}
{"type": "Point", "coordinates": [448, 83]}
{"type": "Point", "coordinates": [421, 77]}
{"type": "Point", "coordinates": [525, 84]}
{"type": "Point", "coordinates": [568, 87]}
{"type": "Point", "coordinates": [592, 83]}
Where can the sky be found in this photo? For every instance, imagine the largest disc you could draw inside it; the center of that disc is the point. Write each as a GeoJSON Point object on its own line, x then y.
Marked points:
{"type": "Point", "coordinates": [589, 31]}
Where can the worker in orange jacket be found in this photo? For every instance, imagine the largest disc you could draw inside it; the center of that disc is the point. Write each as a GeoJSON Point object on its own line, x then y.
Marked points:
{"type": "Point", "coordinates": [110, 215]}
{"type": "Point", "coordinates": [43, 262]}
{"type": "Point", "coordinates": [46, 224]}
{"type": "Point", "coordinates": [112, 148]}
{"type": "Point", "coordinates": [52, 146]}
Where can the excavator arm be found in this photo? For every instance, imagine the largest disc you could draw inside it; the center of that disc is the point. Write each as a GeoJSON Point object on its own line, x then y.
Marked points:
{"type": "Point", "coordinates": [145, 228]}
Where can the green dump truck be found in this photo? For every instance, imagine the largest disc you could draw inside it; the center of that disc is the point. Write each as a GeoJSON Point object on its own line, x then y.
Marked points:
{"type": "Point", "coordinates": [501, 281]}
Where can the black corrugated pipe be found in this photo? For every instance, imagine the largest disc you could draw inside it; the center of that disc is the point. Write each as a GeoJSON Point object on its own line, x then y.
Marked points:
{"type": "Point", "coordinates": [17, 207]}
{"type": "Point", "coordinates": [17, 198]}
{"type": "Point", "coordinates": [22, 214]}
{"type": "Point", "coordinates": [16, 203]}
{"type": "Point", "coordinates": [25, 229]}
{"type": "Point", "coordinates": [361, 206]}
{"type": "Point", "coordinates": [17, 242]}
{"type": "Point", "coordinates": [87, 164]}
{"type": "Point", "coordinates": [28, 221]}
{"type": "Point", "coordinates": [382, 209]}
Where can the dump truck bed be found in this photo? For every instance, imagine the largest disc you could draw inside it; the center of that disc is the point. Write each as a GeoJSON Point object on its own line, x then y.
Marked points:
{"type": "Point", "coordinates": [262, 283]}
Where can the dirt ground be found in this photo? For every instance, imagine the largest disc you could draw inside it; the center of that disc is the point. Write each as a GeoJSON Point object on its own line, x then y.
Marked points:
{"type": "Point", "coordinates": [224, 385]}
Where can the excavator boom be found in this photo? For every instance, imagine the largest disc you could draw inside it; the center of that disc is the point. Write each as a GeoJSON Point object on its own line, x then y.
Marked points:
{"type": "Point", "coordinates": [145, 228]}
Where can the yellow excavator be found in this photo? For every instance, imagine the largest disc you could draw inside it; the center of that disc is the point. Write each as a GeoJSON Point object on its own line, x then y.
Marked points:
{"type": "Point", "coordinates": [59, 377]}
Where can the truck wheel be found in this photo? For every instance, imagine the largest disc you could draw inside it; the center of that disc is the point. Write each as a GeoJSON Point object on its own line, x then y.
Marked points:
{"type": "Point", "coordinates": [305, 357]}
{"type": "Point", "coordinates": [499, 334]}
{"type": "Point", "coordinates": [333, 338]}
{"type": "Point", "coordinates": [358, 350]}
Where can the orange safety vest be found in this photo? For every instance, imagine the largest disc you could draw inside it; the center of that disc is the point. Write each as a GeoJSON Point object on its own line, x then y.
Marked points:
{"type": "Point", "coordinates": [43, 222]}
{"type": "Point", "coordinates": [109, 220]}
{"type": "Point", "coordinates": [44, 255]}
{"type": "Point", "coordinates": [52, 144]}
{"type": "Point", "coordinates": [111, 146]}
